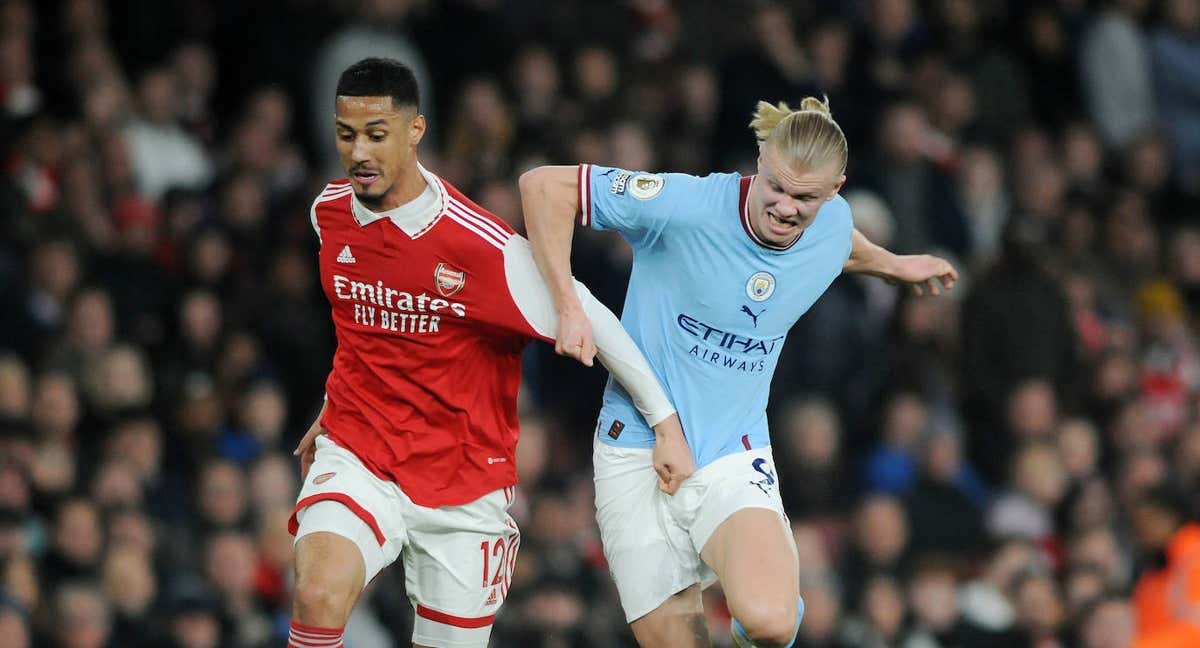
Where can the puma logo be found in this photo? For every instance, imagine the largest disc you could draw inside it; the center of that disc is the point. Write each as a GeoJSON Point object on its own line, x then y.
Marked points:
{"type": "Point", "coordinates": [752, 314]}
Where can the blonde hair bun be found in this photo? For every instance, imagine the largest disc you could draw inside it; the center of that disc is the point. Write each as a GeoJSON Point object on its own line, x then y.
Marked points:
{"type": "Point", "coordinates": [809, 137]}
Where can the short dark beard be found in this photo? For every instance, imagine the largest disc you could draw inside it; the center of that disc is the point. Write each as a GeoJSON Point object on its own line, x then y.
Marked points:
{"type": "Point", "coordinates": [371, 202]}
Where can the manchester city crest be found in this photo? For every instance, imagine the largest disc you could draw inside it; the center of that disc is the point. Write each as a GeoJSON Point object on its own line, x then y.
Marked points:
{"type": "Point", "coordinates": [761, 286]}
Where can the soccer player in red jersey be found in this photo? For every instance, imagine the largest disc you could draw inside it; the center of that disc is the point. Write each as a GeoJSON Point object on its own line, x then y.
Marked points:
{"type": "Point", "coordinates": [433, 300]}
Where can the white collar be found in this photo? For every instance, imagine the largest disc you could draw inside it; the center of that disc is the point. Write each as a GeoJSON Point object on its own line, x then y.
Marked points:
{"type": "Point", "coordinates": [414, 217]}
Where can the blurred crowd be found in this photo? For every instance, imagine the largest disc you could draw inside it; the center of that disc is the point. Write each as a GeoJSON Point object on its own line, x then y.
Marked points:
{"type": "Point", "coordinates": [1016, 464]}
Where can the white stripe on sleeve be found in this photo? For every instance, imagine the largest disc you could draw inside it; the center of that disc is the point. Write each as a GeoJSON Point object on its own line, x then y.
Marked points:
{"type": "Point", "coordinates": [585, 195]}
{"type": "Point", "coordinates": [614, 346]}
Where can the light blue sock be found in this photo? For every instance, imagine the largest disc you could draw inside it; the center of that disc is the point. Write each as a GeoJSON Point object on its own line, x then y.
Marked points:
{"type": "Point", "coordinates": [740, 632]}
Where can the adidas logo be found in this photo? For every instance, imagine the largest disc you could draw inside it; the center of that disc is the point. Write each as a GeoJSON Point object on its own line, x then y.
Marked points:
{"type": "Point", "coordinates": [491, 599]}
{"type": "Point", "coordinates": [345, 256]}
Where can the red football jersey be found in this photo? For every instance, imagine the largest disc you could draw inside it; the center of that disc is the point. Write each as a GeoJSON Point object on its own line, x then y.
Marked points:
{"type": "Point", "coordinates": [424, 381]}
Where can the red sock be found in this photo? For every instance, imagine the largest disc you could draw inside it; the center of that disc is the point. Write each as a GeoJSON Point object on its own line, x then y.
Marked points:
{"type": "Point", "coordinates": [304, 636]}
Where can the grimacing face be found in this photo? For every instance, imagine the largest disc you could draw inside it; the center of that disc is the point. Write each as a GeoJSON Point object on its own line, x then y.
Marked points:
{"type": "Point", "coordinates": [377, 143]}
{"type": "Point", "coordinates": [785, 200]}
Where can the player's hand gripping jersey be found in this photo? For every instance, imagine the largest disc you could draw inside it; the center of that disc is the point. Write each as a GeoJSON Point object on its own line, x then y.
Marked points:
{"type": "Point", "coordinates": [708, 303]}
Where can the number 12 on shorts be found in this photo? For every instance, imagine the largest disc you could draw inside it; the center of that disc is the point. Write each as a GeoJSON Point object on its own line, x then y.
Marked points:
{"type": "Point", "coordinates": [504, 553]}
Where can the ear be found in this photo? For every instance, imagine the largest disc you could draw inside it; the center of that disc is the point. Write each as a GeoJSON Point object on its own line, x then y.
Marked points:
{"type": "Point", "coordinates": [416, 130]}
{"type": "Point", "coordinates": [837, 187]}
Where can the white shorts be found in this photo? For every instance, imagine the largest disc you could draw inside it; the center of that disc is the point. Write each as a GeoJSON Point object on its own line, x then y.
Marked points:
{"type": "Point", "coordinates": [652, 540]}
{"type": "Point", "coordinates": [458, 560]}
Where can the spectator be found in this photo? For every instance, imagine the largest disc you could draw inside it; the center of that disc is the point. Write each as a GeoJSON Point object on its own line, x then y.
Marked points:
{"type": "Point", "coordinates": [76, 542]}
{"type": "Point", "coordinates": [163, 154]}
{"type": "Point", "coordinates": [772, 63]}
{"type": "Point", "coordinates": [15, 390]}
{"type": "Point", "coordinates": [937, 619]}
{"type": "Point", "coordinates": [1083, 586]}
{"type": "Point", "coordinates": [20, 583]}
{"type": "Point", "coordinates": [892, 466]}
{"type": "Point", "coordinates": [823, 613]}
{"type": "Point", "coordinates": [1038, 485]}
{"type": "Point", "coordinates": [14, 627]}
{"type": "Point", "coordinates": [1115, 62]}
{"type": "Point", "coordinates": [1040, 612]}
{"type": "Point", "coordinates": [1166, 590]}
{"type": "Point", "coordinates": [812, 437]}
{"type": "Point", "coordinates": [273, 482]}
{"type": "Point", "coordinates": [1098, 547]}
{"type": "Point", "coordinates": [193, 617]}
{"type": "Point", "coordinates": [880, 543]}
{"type": "Point", "coordinates": [1108, 623]}
{"type": "Point", "coordinates": [1173, 56]}
{"type": "Point", "coordinates": [56, 407]}
{"type": "Point", "coordinates": [261, 417]}
{"type": "Point", "coordinates": [881, 615]}
{"type": "Point", "coordinates": [986, 600]}
{"type": "Point", "coordinates": [83, 617]}
{"type": "Point", "coordinates": [130, 586]}
{"type": "Point", "coordinates": [985, 202]}
{"type": "Point", "coordinates": [222, 497]}
{"type": "Point", "coordinates": [922, 195]}
{"type": "Point", "coordinates": [230, 566]}
{"type": "Point", "coordinates": [1078, 448]}
{"type": "Point", "coordinates": [1036, 341]}
{"type": "Point", "coordinates": [941, 509]}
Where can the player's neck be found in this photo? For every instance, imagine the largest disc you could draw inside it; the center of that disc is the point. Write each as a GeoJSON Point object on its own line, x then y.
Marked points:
{"type": "Point", "coordinates": [411, 184]}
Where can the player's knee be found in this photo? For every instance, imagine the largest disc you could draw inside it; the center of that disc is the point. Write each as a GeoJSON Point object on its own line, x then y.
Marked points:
{"type": "Point", "coordinates": [770, 623]}
{"type": "Point", "coordinates": [323, 598]}
{"type": "Point", "coordinates": [321, 601]}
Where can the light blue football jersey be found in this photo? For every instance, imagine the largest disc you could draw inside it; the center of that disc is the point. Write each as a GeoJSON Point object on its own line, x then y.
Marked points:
{"type": "Point", "coordinates": [708, 304]}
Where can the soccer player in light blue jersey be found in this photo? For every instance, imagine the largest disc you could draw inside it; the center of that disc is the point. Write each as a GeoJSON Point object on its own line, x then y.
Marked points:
{"type": "Point", "coordinates": [723, 267]}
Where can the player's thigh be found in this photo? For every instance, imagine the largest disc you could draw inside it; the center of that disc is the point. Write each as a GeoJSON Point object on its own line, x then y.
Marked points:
{"type": "Point", "coordinates": [347, 525]}
{"type": "Point", "coordinates": [458, 565]}
{"type": "Point", "coordinates": [745, 538]}
{"type": "Point", "coordinates": [649, 555]}
{"type": "Point", "coordinates": [754, 557]}
{"type": "Point", "coordinates": [677, 623]}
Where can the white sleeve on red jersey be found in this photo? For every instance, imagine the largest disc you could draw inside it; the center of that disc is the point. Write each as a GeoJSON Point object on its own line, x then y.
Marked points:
{"type": "Point", "coordinates": [312, 214]}
{"type": "Point", "coordinates": [614, 346]}
{"type": "Point", "coordinates": [332, 191]}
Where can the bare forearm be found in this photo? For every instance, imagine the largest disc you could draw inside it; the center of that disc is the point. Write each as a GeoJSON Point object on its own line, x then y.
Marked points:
{"type": "Point", "coordinates": [869, 258]}
{"type": "Point", "coordinates": [549, 199]}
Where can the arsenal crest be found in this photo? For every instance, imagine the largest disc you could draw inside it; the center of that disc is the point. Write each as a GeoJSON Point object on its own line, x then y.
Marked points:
{"type": "Point", "coordinates": [448, 279]}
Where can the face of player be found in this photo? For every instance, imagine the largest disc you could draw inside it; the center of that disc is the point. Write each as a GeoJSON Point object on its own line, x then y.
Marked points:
{"type": "Point", "coordinates": [377, 142]}
{"type": "Point", "coordinates": [784, 200]}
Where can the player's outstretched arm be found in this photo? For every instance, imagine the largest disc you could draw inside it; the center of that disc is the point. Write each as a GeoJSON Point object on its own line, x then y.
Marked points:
{"type": "Point", "coordinates": [924, 272]}
{"type": "Point", "coordinates": [550, 200]}
{"type": "Point", "coordinates": [530, 292]}
{"type": "Point", "coordinates": [621, 356]}
{"type": "Point", "coordinates": [673, 460]}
